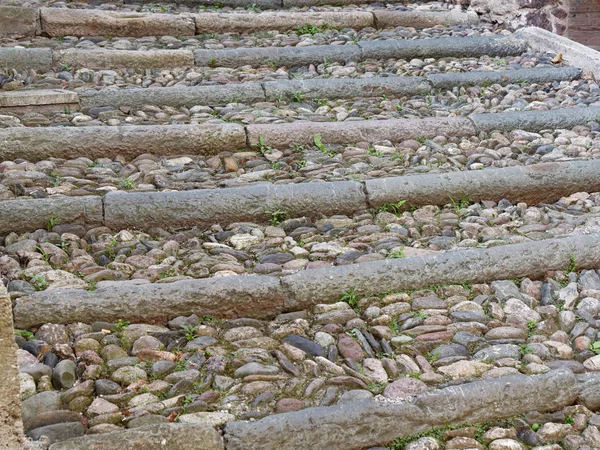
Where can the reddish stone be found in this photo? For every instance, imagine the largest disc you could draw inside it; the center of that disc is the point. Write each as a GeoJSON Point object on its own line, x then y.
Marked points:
{"type": "Point", "coordinates": [331, 328]}
{"type": "Point", "coordinates": [209, 397]}
{"type": "Point", "coordinates": [288, 405]}
{"type": "Point", "coordinates": [437, 336]}
{"type": "Point", "coordinates": [349, 348]}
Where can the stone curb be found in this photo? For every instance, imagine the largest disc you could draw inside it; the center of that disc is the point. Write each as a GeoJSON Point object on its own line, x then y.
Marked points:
{"type": "Point", "coordinates": [398, 49]}
{"type": "Point", "coordinates": [16, 22]}
{"type": "Point", "coordinates": [181, 209]}
{"type": "Point", "coordinates": [252, 92]}
{"type": "Point", "coordinates": [368, 423]}
{"type": "Point", "coordinates": [480, 78]}
{"type": "Point", "coordinates": [39, 100]}
{"type": "Point", "coordinates": [285, 20]}
{"type": "Point", "coordinates": [225, 297]}
{"type": "Point", "coordinates": [11, 425]}
{"type": "Point", "coordinates": [395, 130]}
{"type": "Point", "coordinates": [309, 287]}
{"type": "Point", "coordinates": [44, 59]}
{"type": "Point", "coordinates": [39, 59]}
{"type": "Point", "coordinates": [561, 118]}
{"type": "Point", "coordinates": [416, 19]}
{"type": "Point", "coordinates": [39, 213]}
{"type": "Point", "coordinates": [573, 52]}
{"type": "Point", "coordinates": [264, 296]}
{"type": "Point", "coordinates": [103, 59]}
{"type": "Point", "coordinates": [198, 436]}
{"type": "Point", "coordinates": [129, 141]}
{"type": "Point", "coordinates": [533, 184]}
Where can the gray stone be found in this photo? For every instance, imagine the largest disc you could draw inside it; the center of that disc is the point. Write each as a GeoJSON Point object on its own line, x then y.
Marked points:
{"type": "Point", "coordinates": [173, 435]}
{"type": "Point", "coordinates": [58, 432]}
{"type": "Point", "coordinates": [254, 368]}
{"type": "Point", "coordinates": [366, 423]}
{"type": "Point", "coordinates": [496, 352]}
{"type": "Point", "coordinates": [39, 59]}
{"type": "Point", "coordinates": [63, 375]}
{"type": "Point", "coordinates": [40, 403]}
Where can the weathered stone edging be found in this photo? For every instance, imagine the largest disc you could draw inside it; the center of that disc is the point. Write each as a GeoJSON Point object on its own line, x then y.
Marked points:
{"type": "Point", "coordinates": [129, 141]}
{"type": "Point", "coordinates": [272, 91]}
{"type": "Point", "coordinates": [17, 22]}
{"type": "Point", "coordinates": [573, 52]}
{"type": "Point", "coordinates": [369, 423]}
{"type": "Point", "coordinates": [265, 296]}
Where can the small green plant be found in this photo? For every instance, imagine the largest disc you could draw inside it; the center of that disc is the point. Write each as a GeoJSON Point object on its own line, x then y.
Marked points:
{"type": "Point", "coordinates": [27, 335]}
{"type": "Point", "coordinates": [420, 315]}
{"type": "Point", "coordinates": [273, 64]}
{"type": "Point", "coordinates": [190, 332]}
{"type": "Point", "coordinates": [525, 350]}
{"type": "Point", "coordinates": [276, 166]}
{"type": "Point", "coordinates": [394, 208]}
{"type": "Point", "coordinates": [531, 326]}
{"type": "Point", "coordinates": [396, 254]}
{"type": "Point", "coordinates": [569, 420]}
{"type": "Point", "coordinates": [180, 366]}
{"type": "Point", "coordinates": [297, 95]}
{"type": "Point", "coordinates": [301, 164]}
{"type": "Point", "coordinates": [376, 387]}
{"type": "Point", "coordinates": [371, 151]}
{"type": "Point", "coordinates": [66, 67]}
{"type": "Point", "coordinates": [92, 286]}
{"type": "Point", "coordinates": [121, 325]}
{"type": "Point", "coordinates": [212, 62]}
{"type": "Point", "coordinates": [572, 264]}
{"type": "Point", "coordinates": [67, 110]}
{"type": "Point", "coordinates": [263, 148]}
{"type": "Point", "coordinates": [321, 101]}
{"type": "Point", "coordinates": [464, 202]}
{"type": "Point", "coordinates": [535, 426]}
{"type": "Point", "coordinates": [351, 298]}
{"type": "Point", "coordinates": [253, 7]}
{"type": "Point", "coordinates": [319, 144]}
{"type": "Point", "coordinates": [51, 222]}
{"type": "Point", "coordinates": [311, 29]}
{"type": "Point", "coordinates": [39, 282]}
{"type": "Point", "coordinates": [277, 217]}
{"type": "Point", "coordinates": [127, 184]}
{"type": "Point", "coordinates": [595, 347]}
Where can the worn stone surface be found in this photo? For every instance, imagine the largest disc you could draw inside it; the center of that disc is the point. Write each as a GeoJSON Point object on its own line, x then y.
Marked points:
{"type": "Point", "coordinates": [179, 209]}
{"type": "Point", "coordinates": [367, 423]}
{"type": "Point", "coordinates": [102, 59]}
{"type": "Point", "coordinates": [148, 303]}
{"type": "Point", "coordinates": [33, 214]}
{"type": "Point", "coordinates": [99, 142]}
{"type": "Point", "coordinates": [531, 184]}
{"type": "Point", "coordinates": [391, 19]}
{"type": "Point", "coordinates": [74, 22]}
{"type": "Point", "coordinates": [12, 99]}
{"type": "Point", "coordinates": [283, 135]}
{"type": "Point", "coordinates": [174, 435]}
{"type": "Point", "coordinates": [280, 20]}
{"type": "Point", "coordinates": [473, 265]}
{"type": "Point", "coordinates": [16, 22]}
{"type": "Point", "coordinates": [26, 58]}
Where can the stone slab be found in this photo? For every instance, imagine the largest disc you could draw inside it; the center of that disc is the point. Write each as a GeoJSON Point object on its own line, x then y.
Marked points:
{"type": "Point", "coordinates": [208, 206]}
{"type": "Point", "coordinates": [92, 22]}
{"type": "Point", "coordinates": [533, 184]}
{"type": "Point", "coordinates": [39, 59]}
{"type": "Point", "coordinates": [115, 59]}
{"type": "Point", "coordinates": [150, 437]}
{"type": "Point", "coordinates": [30, 215]}
{"type": "Point", "coordinates": [535, 258]}
{"type": "Point", "coordinates": [281, 56]}
{"type": "Point", "coordinates": [176, 96]}
{"type": "Point", "coordinates": [225, 297]}
{"type": "Point", "coordinates": [421, 19]}
{"type": "Point", "coordinates": [481, 78]}
{"type": "Point", "coordinates": [11, 426]}
{"type": "Point", "coordinates": [262, 4]}
{"type": "Point", "coordinates": [36, 144]}
{"type": "Point", "coordinates": [395, 130]}
{"type": "Point", "coordinates": [369, 423]}
{"type": "Point", "coordinates": [279, 20]}
{"type": "Point", "coordinates": [574, 53]}
{"type": "Point", "coordinates": [346, 88]}
{"type": "Point", "coordinates": [536, 120]}
{"type": "Point", "coordinates": [448, 47]}
{"type": "Point", "coordinates": [10, 99]}
{"type": "Point", "coordinates": [18, 22]}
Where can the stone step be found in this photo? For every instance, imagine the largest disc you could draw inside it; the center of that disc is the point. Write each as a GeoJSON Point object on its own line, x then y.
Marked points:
{"type": "Point", "coordinates": [264, 296]}
{"type": "Point", "coordinates": [59, 22]}
{"type": "Point", "coordinates": [94, 142]}
{"type": "Point", "coordinates": [532, 184]}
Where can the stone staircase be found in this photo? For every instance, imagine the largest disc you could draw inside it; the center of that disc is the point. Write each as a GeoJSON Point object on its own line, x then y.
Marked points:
{"type": "Point", "coordinates": [287, 224]}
